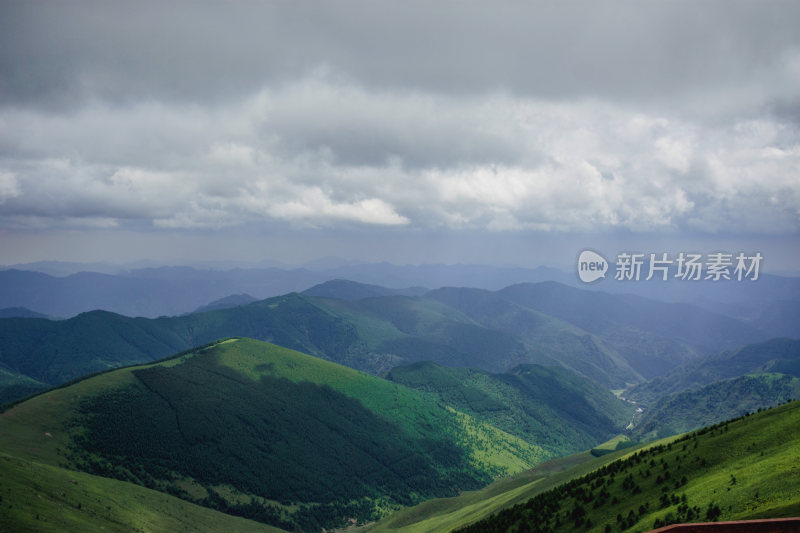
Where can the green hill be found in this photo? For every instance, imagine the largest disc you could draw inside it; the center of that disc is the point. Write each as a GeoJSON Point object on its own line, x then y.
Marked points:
{"type": "Point", "coordinates": [43, 498]}
{"type": "Point", "coordinates": [550, 406]}
{"type": "Point", "coordinates": [54, 352]}
{"type": "Point", "coordinates": [759, 451]}
{"type": "Point", "coordinates": [547, 340]}
{"type": "Point", "coordinates": [741, 469]}
{"type": "Point", "coordinates": [14, 385]}
{"type": "Point", "coordinates": [264, 432]}
{"type": "Point", "coordinates": [446, 514]}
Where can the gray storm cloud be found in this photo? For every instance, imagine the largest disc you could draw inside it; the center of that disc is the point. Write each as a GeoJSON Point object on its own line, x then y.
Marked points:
{"type": "Point", "coordinates": [673, 116]}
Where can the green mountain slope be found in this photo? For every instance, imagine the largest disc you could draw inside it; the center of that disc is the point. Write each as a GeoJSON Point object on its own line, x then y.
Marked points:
{"type": "Point", "coordinates": [414, 329]}
{"type": "Point", "coordinates": [759, 451]}
{"type": "Point", "coordinates": [721, 400]}
{"type": "Point", "coordinates": [54, 352]}
{"type": "Point", "coordinates": [264, 432]}
{"type": "Point", "coordinates": [741, 469]}
{"type": "Point", "coordinates": [775, 355]}
{"type": "Point", "coordinates": [549, 340]}
{"type": "Point", "coordinates": [446, 514]}
{"type": "Point", "coordinates": [43, 498]}
{"type": "Point", "coordinates": [14, 385]}
{"type": "Point", "coordinates": [550, 406]}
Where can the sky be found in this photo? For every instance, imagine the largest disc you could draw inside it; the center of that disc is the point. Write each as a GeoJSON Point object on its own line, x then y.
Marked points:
{"type": "Point", "coordinates": [511, 133]}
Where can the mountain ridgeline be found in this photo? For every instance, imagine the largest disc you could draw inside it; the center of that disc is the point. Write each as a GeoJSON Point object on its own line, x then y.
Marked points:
{"type": "Point", "coordinates": [65, 290]}
{"type": "Point", "coordinates": [615, 340]}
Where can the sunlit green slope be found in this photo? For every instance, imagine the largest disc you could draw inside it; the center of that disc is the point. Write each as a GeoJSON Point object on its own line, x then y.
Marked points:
{"type": "Point", "coordinates": [267, 433]}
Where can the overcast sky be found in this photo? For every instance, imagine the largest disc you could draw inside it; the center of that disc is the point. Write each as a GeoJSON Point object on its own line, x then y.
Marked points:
{"type": "Point", "coordinates": [516, 132]}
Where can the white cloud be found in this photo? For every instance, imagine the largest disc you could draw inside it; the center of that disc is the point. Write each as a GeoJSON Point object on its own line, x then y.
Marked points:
{"type": "Point", "coordinates": [322, 152]}
{"type": "Point", "coordinates": [314, 205]}
{"type": "Point", "coordinates": [9, 186]}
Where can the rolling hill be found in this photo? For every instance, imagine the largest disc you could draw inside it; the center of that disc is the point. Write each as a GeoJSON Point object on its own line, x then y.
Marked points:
{"type": "Point", "coordinates": [266, 433]}
{"type": "Point", "coordinates": [550, 406]}
{"type": "Point", "coordinates": [40, 498]}
{"type": "Point", "coordinates": [739, 469]}
{"type": "Point", "coordinates": [553, 341]}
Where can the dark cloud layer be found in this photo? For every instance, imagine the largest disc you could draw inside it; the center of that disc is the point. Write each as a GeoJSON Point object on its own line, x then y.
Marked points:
{"type": "Point", "coordinates": [59, 52]}
{"type": "Point", "coordinates": [671, 117]}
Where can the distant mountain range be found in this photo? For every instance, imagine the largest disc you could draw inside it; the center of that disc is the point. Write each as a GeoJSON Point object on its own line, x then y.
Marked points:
{"type": "Point", "coordinates": [616, 340]}
{"type": "Point", "coordinates": [234, 300]}
{"type": "Point", "coordinates": [20, 312]}
{"type": "Point", "coordinates": [771, 302]}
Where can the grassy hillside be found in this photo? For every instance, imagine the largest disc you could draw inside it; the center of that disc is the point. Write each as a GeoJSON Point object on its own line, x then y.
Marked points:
{"type": "Point", "coordinates": [722, 400]}
{"type": "Point", "coordinates": [742, 469]}
{"type": "Point", "coordinates": [264, 432]}
{"type": "Point", "coordinates": [43, 498]}
{"type": "Point", "coordinates": [446, 514]}
{"type": "Point", "coordinates": [550, 406]}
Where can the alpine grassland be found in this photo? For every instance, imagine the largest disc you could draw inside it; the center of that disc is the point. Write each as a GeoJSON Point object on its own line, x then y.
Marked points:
{"type": "Point", "coordinates": [744, 468]}
{"type": "Point", "coordinates": [267, 433]}
{"type": "Point", "coordinates": [36, 497]}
